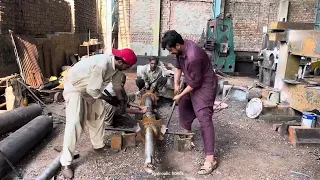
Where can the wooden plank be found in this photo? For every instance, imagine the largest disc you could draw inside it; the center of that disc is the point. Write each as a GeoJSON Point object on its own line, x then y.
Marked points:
{"type": "Point", "coordinates": [282, 26]}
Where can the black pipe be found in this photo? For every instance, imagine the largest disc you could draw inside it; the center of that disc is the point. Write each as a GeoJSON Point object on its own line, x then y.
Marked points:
{"type": "Point", "coordinates": [21, 142]}
{"type": "Point", "coordinates": [16, 118]}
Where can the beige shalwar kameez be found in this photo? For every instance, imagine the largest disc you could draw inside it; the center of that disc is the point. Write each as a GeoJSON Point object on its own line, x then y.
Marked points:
{"type": "Point", "coordinates": [84, 110]}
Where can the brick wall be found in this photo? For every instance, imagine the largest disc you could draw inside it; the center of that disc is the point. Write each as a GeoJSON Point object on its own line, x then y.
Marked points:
{"type": "Point", "coordinates": [85, 16]}
{"type": "Point", "coordinates": [141, 26]}
{"type": "Point", "coordinates": [189, 18]}
{"type": "Point", "coordinates": [35, 16]}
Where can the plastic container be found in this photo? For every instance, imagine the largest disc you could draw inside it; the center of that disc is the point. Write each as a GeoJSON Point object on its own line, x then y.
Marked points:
{"type": "Point", "coordinates": [309, 120]}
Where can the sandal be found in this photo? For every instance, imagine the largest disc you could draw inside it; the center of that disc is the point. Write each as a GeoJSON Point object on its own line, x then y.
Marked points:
{"type": "Point", "coordinates": [208, 167]}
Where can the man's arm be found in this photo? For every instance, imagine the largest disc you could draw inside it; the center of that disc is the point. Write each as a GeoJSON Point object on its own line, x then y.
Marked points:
{"type": "Point", "coordinates": [134, 111]}
{"type": "Point", "coordinates": [177, 76]}
{"type": "Point", "coordinates": [134, 105]}
{"type": "Point", "coordinates": [195, 71]}
{"type": "Point", "coordinates": [145, 75]}
{"type": "Point", "coordinates": [95, 82]}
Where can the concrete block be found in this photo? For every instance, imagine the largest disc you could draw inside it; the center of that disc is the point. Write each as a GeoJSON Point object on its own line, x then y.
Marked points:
{"type": "Point", "coordinates": [116, 142]}
{"type": "Point", "coordinates": [300, 136]}
{"type": "Point", "coordinates": [182, 143]}
{"type": "Point", "coordinates": [278, 118]}
{"type": "Point", "coordinates": [129, 140]}
{"type": "Point", "coordinates": [277, 110]}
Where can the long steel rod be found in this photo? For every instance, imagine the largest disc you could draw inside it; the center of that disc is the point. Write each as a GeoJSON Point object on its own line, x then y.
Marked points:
{"type": "Point", "coordinates": [148, 103]}
{"type": "Point", "coordinates": [149, 146]}
{"type": "Point", "coordinates": [132, 131]}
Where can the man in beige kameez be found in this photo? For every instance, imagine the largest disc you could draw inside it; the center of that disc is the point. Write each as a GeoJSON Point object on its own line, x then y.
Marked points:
{"type": "Point", "coordinates": [85, 108]}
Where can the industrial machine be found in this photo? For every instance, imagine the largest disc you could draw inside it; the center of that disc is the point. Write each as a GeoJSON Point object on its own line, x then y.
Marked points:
{"type": "Point", "coordinates": [219, 40]}
{"type": "Point", "coordinates": [269, 53]}
{"type": "Point", "coordinates": [300, 93]}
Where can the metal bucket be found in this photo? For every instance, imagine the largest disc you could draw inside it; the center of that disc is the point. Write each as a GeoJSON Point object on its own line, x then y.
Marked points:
{"type": "Point", "coordinates": [309, 120]}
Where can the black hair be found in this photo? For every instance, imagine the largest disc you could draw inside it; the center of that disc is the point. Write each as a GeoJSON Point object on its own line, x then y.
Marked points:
{"type": "Point", "coordinates": [155, 59]}
{"type": "Point", "coordinates": [171, 38]}
{"type": "Point", "coordinates": [119, 59]}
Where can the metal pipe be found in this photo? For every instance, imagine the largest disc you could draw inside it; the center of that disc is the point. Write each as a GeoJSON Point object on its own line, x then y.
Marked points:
{"type": "Point", "coordinates": [16, 118]}
{"type": "Point", "coordinates": [51, 169]}
{"type": "Point", "coordinates": [149, 146]}
{"type": "Point", "coordinates": [148, 103]}
{"type": "Point", "coordinates": [22, 141]}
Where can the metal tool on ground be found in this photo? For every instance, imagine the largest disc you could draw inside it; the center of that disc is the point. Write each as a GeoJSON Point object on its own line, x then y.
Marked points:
{"type": "Point", "coordinates": [53, 168]}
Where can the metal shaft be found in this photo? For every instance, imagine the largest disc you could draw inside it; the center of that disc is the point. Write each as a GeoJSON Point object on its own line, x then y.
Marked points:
{"type": "Point", "coordinates": [149, 136]}
{"type": "Point", "coordinates": [51, 170]}
{"type": "Point", "coordinates": [22, 141]}
{"type": "Point", "coordinates": [16, 118]}
{"type": "Point", "coordinates": [148, 103]}
{"type": "Point", "coordinates": [149, 146]}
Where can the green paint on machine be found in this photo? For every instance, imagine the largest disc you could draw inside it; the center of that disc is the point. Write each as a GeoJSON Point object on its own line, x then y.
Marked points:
{"type": "Point", "coordinates": [221, 32]}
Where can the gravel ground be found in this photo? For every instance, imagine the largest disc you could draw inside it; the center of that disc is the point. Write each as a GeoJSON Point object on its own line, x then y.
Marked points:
{"type": "Point", "coordinates": [247, 149]}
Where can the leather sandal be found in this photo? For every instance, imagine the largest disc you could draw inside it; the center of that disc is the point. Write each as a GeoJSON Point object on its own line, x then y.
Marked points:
{"type": "Point", "coordinates": [208, 167]}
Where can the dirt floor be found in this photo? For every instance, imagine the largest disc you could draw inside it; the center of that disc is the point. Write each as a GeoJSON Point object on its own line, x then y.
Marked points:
{"type": "Point", "coordinates": [247, 149]}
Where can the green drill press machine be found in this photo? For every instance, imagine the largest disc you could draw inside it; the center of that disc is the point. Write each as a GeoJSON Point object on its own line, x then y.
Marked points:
{"type": "Point", "coordinates": [219, 40]}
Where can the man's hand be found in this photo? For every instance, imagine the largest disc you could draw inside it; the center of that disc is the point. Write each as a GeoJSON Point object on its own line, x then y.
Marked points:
{"type": "Point", "coordinates": [177, 98]}
{"type": "Point", "coordinates": [147, 85]}
{"type": "Point", "coordinates": [177, 89]}
{"type": "Point", "coordinates": [144, 109]}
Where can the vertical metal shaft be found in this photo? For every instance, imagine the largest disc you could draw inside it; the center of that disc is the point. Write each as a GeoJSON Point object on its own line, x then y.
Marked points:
{"type": "Point", "coordinates": [148, 103]}
{"type": "Point", "coordinates": [149, 137]}
{"type": "Point", "coordinates": [149, 146]}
